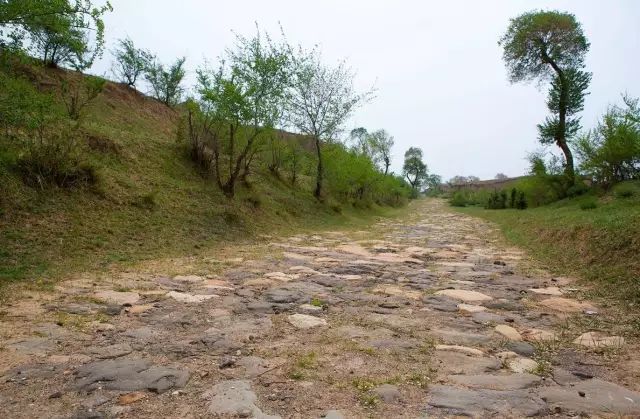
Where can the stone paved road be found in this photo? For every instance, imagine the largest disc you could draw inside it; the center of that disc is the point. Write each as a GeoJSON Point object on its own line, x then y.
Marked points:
{"type": "Point", "coordinates": [426, 316]}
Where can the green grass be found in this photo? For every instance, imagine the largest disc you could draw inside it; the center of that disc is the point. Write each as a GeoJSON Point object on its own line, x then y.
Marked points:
{"type": "Point", "coordinates": [594, 237]}
{"type": "Point", "coordinates": [150, 201]}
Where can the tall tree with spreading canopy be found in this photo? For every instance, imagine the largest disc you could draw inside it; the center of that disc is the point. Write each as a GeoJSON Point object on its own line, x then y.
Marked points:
{"type": "Point", "coordinates": [321, 99]}
{"type": "Point", "coordinates": [551, 46]}
{"type": "Point", "coordinates": [414, 169]}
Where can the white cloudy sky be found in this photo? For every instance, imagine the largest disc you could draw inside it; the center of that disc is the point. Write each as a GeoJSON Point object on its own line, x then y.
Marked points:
{"type": "Point", "coordinates": [437, 66]}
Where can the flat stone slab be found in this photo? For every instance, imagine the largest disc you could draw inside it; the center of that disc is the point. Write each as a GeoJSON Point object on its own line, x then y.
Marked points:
{"type": "Point", "coordinates": [465, 295]}
{"type": "Point", "coordinates": [129, 375]}
{"type": "Point", "coordinates": [521, 365]}
{"type": "Point", "coordinates": [234, 398]}
{"type": "Point", "coordinates": [117, 297]}
{"type": "Point", "coordinates": [484, 403]}
{"type": "Point", "coordinates": [461, 349]}
{"type": "Point", "coordinates": [112, 351]}
{"type": "Point", "coordinates": [304, 321]}
{"type": "Point", "coordinates": [496, 382]}
{"type": "Point", "coordinates": [589, 396]}
{"type": "Point", "coordinates": [537, 335]}
{"type": "Point", "coordinates": [190, 279]}
{"type": "Point", "coordinates": [599, 340]}
{"type": "Point", "coordinates": [470, 308]}
{"type": "Point", "coordinates": [190, 298]}
{"type": "Point", "coordinates": [547, 291]}
{"type": "Point", "coordinates": [565, 305]}
{"type": "Point", "coordinates": [508, 332]}
{"type": "Point", "coordinates": [388, 393]}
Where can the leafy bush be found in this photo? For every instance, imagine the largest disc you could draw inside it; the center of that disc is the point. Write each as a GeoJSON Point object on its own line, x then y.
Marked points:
{"type": "Point", "coordinates": [610, 153]}
{"type": "Point", "coordinates": [458, 199]}
{"type": "Point", "coordinates": [497, 200]}
{"type": "Point", "coordinates": [521, 202]}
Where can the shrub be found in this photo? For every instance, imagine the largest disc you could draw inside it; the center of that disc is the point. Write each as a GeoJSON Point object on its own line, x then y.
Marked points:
{"type": "Point", "coordinates": [458, 199]}
{"type": "Point", "coordinates": [497, 200]}
{"type": "Point", "coordinates": [521, 202]}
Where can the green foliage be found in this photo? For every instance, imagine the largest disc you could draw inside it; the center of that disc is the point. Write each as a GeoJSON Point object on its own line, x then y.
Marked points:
{"type": "Point", "coordinates": [166, 83]}
{"type": "Point", "coordinates": [130, 62]}
{"type": "Point", "coordinates": [414, 169]}
{"type": "Point", "coordinates": [458, 199]}
{"type": "Point", "coordinates": [575, 82]}
{"type": "Point", "coordinates": [610, 153]}
{"type": "Point", "coordinates": [60, 32]}
{"type": "Point", "coordinates": [521, 202]}
{"type": "Point", "coordinates": [497, 200]}
{"type": "Point", "coordinates": [550, 45]}
{"type": "Point", "coordinates": [241, 102]}
{"type": "Point", "coordinates": [320, 99]}
{"type": "Point", "coordinates": [352, 177]}
{"type": "Point", "coordinates": [535, 40]}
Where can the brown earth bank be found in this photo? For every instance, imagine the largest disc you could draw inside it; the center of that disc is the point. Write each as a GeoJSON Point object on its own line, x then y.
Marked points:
{"type": "Point", "coordinates": [424, 315]}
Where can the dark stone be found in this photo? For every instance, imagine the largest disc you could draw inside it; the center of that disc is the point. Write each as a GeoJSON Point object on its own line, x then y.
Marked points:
{"type": "Point", "coordinates": [129, 375]}
{"type": "Point", "coordinates": [522, 348]}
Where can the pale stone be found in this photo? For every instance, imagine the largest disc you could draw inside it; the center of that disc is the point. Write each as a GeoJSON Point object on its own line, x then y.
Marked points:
{"type": "Point", "coordinates": [139, 308]}
{"type": "Point", "coordinates": [461, 349]}
{"type": "Point", "coordinates": [281, 276]}
{"type": "Point", "coordinates": [117, 297]}
{"type": "Point", "coordinates": [395, 258]}
{"type": "Point", "coordinates": [508, 332]}
{"type": "Point", "coordinates": [506, 355]}
{"type": "Point", "coordinates": [598, 340]}
{"type": "Point", "coordinates": [397, 291]}
{"type": "Point", "coordinates": [470, 308]}
{"type": "Point", "coordinates": [217, 284]}
{"type": "Point", "coordinates": [537, 335]}
{"type": "Point", "coordinates": [521, 365]}
{"type": "Point", "coordinates": [465, 295]}
{"type": "Point", "coordinates": [189, 298]}
{"type": "Point", "coordinates": [303, 321]}
{"type": "Point", "coordinates": [309, 307]}
{"type": "Point", "coordinates": [296, 256]}
{"type": "Point", "coordinates": [259, 282]}
{"type": "Point", "coordinates": [304, 269]}
{"type": "Point", "coordinates": [565, 305]}
{"type": "Point", "coordinates": [547, 291]}
{"type": "Point", "coordinates": [354, 249]}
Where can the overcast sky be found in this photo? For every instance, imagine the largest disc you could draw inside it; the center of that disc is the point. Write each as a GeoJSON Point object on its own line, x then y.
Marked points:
{"type": "Point", "coordinates": [438, 69]}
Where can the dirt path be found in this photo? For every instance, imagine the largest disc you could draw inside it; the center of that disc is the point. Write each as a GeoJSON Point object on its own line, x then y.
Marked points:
{"type": "Point", "coordinates": [426, 316]}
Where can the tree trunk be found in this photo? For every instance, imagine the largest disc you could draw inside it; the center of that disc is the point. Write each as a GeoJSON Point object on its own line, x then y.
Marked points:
{"type": "Point", "coordinates": [561, 132]}
{"type": "Point", "coordinates": [387, 163]}
{"type": "Point", "coordinates": [319, 176]}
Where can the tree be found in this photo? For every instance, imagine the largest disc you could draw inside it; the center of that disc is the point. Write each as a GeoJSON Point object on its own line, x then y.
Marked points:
{"type": "Point", "coordinates": [320, 101]}
{"type": "Point", "coordinates": [59, 31]}
{"type": "Point", "coordinates": [166, 84]}
{"type": "Point", "coordinates": [611, 152]}
{"type": "Point", "coordinates": [414, 168]}
{"type": "Point", "coordinates": [243, 99]}
{"type": "Point", "coordinates": [131, 62]}
{"type": "Point", "coordinates": [360, 141]}
{"type": "Point", "coordinates": [381, 143]}
{"type": "Point", "coordinates": [550, 45]}
{"type": "Point", "coordinates": [501, 176]}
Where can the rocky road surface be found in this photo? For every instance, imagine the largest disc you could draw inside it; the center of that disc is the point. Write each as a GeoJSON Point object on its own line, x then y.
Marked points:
{"type": "Point", "coordinates": [428, 315]}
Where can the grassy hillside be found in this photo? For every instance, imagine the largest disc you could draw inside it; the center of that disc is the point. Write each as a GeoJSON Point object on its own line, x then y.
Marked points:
{"type": "Point", "coordinates": [149, 199]}
{"type": "Point", "coordinates": [594, 236]}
